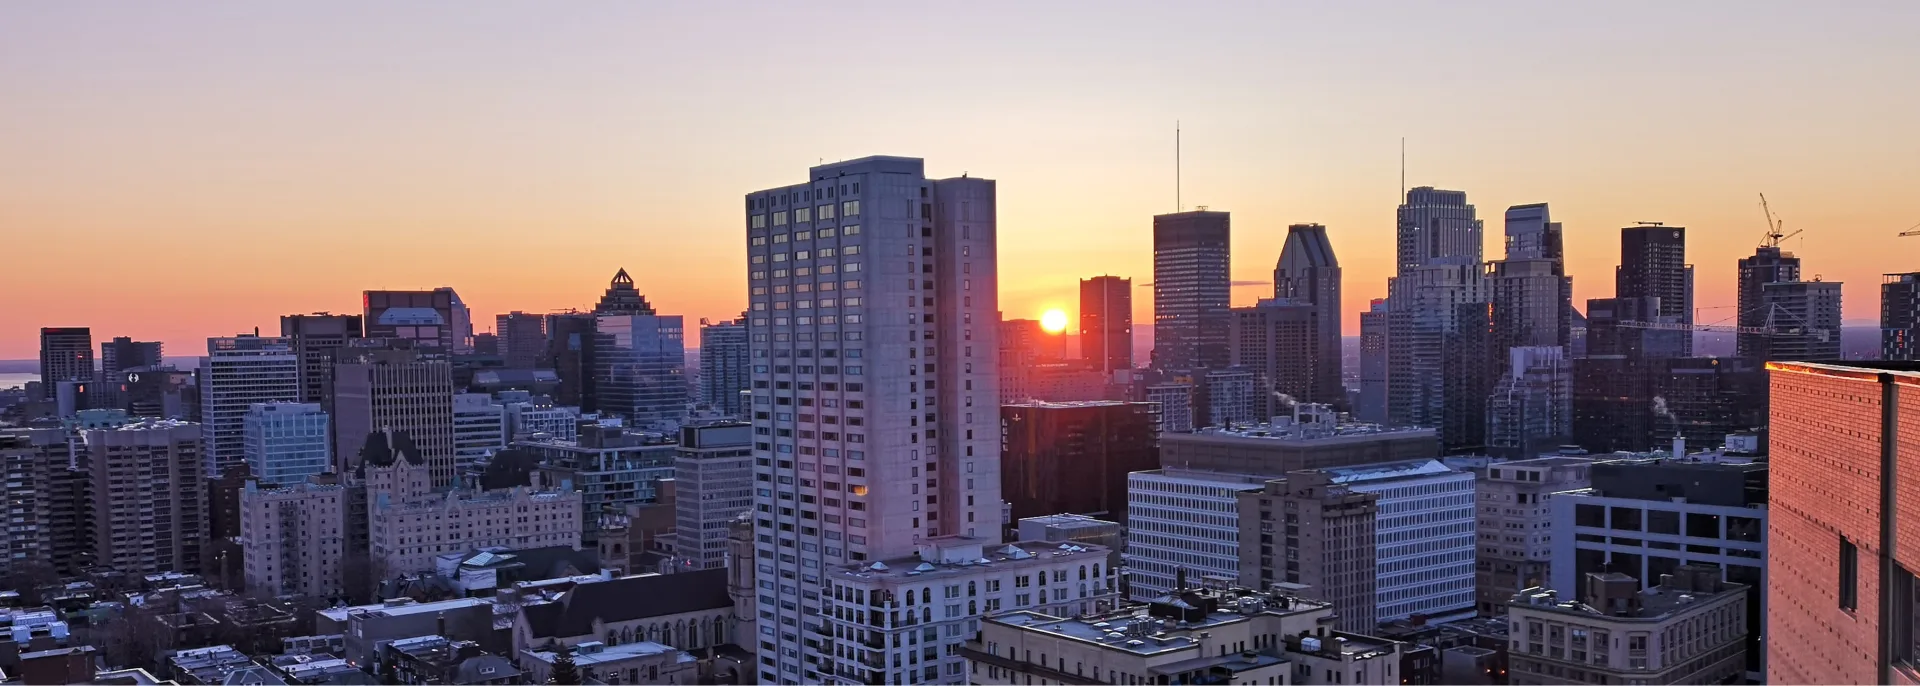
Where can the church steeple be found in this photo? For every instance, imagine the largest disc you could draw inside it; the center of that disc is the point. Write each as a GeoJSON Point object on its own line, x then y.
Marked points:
{"type": "Point", "coordinates": [622, 297]}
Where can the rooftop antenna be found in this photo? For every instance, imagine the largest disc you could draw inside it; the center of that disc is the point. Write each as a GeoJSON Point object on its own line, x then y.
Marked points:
{"type": "Point", "coordinates": [1403, 167]}
{"type": "Point", "coordinates": [1177, 205]}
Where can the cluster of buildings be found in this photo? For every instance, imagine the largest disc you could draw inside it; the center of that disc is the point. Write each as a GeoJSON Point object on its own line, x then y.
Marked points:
{"type": "Point", "coordinates": [872, 476]}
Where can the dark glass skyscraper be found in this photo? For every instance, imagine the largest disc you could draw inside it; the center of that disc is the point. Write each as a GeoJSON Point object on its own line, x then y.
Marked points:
{"type": "Point", "coordinates": [1900, 317]}
{"type": "Point", "coordinates": [1769, 264]}
{"type": "Point", "coordinates": [1309, 274]}
{"type": "Point", "coordinates": [313, 338]}
{"type": "Point", "coordinates": [66, 354]}
{"type": "Point", "coordinates": [1106, 322]}
{"type": "Point", "coordinates": [1192, 281]}
{"type": "Point", "coordinates": [1653, 263]}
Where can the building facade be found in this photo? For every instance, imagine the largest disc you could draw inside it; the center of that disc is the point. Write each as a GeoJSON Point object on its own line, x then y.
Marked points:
{"type": "Point", "coordinates": [1653, 264]}
{"type": "Point", "coordinates": [1768, 264]}
{"type": "Point", "coordinates": [66, 354]}
{"type": "Point", "coordinates": [890, 430]}
{"type": "Point", "coordinates": [609, 467]}
{"type": "Point", "coordinates": [479, 430]}
{"type": "Point", "coordinates": [640, 368]}
{"type": "Point", "coordinates": [1372, 404]}
{"type": "Point", "coordinates": [294, 538]}
{"type": "Point", "coordinates": [905, 619]}
{"type": "Point", "coordinates": [1183, 523]}
{"type": "Point", "coordinates": [1900, 317]}
{"type": "Point", "coordinates": [1438, 324]}
{"type": "Point", "coordinates": [410, 524]}
{"type": "Point", "coordinates": [236, 374]}
{"type": "Point", "coordinates": [313, 338]}
{"type": "Point", "coordinates": [1175, 400]}
{"type": "Point", "coordinates": [723, 366]}
{"type": "Point", "coordinates": [1842, 558]}
{"type": "Point", "coordinates": [1073, 458]}
{"type": "Point", "coordinates": [1305, 529]}
{"type": "Point", "coordinates": [287, 442]}
{"type": "Point", "coordinates": [1106, 323]}
{"type": "Point", "coordinates": [713, 484]}
{"type": "Point", "coordinates": [1686, 628]}
{"type": "Point", "coordinates": [1531, 409]}
{"type": "Point", "coordinates": [1806, 318]}
{"type": "Point", "coordinates": [1514, 518]}
{"type": "Point", "coordinates": [1309, 274]}
{"type": "Point", "coordinates": [149, 496]}
{"type": "Point", "coordinates": [431, 319]}
{"type": "Point", "coordinates": [1192, 259]}
{"type": "Point", "coordinates": [394, 385]}
{"type": "Point", "coordinates": [522, 338]}
{"type": "Point", "coordinates": [1278, 341]}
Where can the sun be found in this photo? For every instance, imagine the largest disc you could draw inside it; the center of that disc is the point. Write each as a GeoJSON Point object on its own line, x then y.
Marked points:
{"type": "Point", "coordinates": [1054, 321]}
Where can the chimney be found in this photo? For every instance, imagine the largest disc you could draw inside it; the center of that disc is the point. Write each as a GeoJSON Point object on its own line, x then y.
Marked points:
{"type": "Point", "coordinates": [440, 624]}
{"type": "Point", "coordinates": [1679, 446]}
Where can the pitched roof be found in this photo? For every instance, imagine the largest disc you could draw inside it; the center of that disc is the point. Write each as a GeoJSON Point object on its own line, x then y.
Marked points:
{"type": "Point", "coordinates": [627, 599]}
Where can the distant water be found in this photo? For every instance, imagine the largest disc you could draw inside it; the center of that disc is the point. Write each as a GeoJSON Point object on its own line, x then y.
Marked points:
{"type": "Point", "coordinates": [13, 380]}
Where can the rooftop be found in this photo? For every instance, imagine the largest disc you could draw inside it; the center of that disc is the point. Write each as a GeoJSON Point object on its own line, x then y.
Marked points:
{"type": "Point", "coordinates": [1069, 404]}
{"type": "Point", "coordinates": [960, 555]}
{"type": "Point", "coordinates": [1908, 371]}
{"type": "Point", "coordinates": [595, 652]}
{"type": "Point", "coordinates": [399, 607]}
{"type": "Point", "coordinates": [1618, 596]}
{"type": "Point", "coordinates": [1388, 471]}
{"type": "Point", "coordinates": [1069, 521]}
{"type": "Point", "coordinates": [1147, 630]}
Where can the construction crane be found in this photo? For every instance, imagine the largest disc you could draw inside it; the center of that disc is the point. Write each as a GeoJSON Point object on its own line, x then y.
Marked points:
{"type": "Point", "coordinates": [1911, 231]}
{"type": "Point", "coordinates": [1776, 228]}
{"type": "Point", "coordinates": [1770, 329]}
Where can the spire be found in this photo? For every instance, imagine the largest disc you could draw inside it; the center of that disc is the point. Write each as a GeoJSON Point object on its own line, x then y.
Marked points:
{"type": "Point", "coordinates": [621, 278]}
{"type": "Point", "coordinates": [622, 297]}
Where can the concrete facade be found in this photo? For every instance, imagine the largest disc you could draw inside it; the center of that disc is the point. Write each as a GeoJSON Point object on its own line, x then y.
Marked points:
{"type": "Point", "coordinates": [1515, 524]}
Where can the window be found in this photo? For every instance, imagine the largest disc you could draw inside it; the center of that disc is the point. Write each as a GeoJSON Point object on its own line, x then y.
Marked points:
{"type": "Point", "coordinates": [1849, 575]}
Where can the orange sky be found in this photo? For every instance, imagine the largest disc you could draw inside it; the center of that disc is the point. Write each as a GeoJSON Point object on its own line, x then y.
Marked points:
{"type": "Point", "coordinates": [181, 172]}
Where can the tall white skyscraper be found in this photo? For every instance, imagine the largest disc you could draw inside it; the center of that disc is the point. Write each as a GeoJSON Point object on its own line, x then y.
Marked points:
{"type": "Point", "coordinates": [874, 388]}
{"type": "Point", "coordinates": [237, 373]}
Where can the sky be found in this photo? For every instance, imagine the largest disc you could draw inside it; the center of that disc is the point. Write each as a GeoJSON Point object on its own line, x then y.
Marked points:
{"type": "Point", "coordinates": [173, 171]}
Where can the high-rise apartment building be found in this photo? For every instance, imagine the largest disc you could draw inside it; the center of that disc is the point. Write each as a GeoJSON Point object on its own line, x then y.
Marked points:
{"type": "Point", "coordinates": [1769, 264]}
{"type": "Point", "coordinates": [479, 430]}
{"type": "Point", "coordinates": [313, 338]}
{"type": "Point", "coordinates": [1073, 458]}
{"type": "Point", "coordinates": [1515, 522]}
{"type": "Point", "coordinates": [435, 318]}
{"type": "Point", "coordinates": [1653, 264]}
{"type": "Point", "coordinates": [1230, 395]}
{"type": "Point", "coordinates": [713, 487]}
{"type": "Point", "coordinates": [238, 373]}
{"type": "Point", "coordinates": [723, 367]}
{"type": "Point", "coordinates": [66, 354]}
{"type": "Point", "coordinates": [1106, 323]}
{"type": "Point", "coordinates": [394, 386]}
{"type": "Point", "coordinates": [1308, 274]}
{"type": "Point", "coordinates": [1278, 340]}
{"type": "Point", "coordinates": [523, 338]}
{"type": "Point", "coordinates": [1531, 409]}
{"type": "Point", "coordinates": [149, 496]}
{"type": "Point", "coordinates": [125, 353]}
{"type": "Point", "coordinates": [1176, 405]}
{"type": "Point", "coordinates": [294, 538]}
{"type": "Point", "coordinates": [1192, 289]}
{"type": "Point", "coordinates": [1900, 317]}
{"type": "Point", "coordinates": [287, 442]}
{"type": "Point", "coordinates": [611, 467]}
{"type": "Point", "coordinates": [1841, 561]}
{"type": "Point", "coordinates": [49, 504]}
{"type": "Point", "coordinates": [1372, 405]}
{"type": "Point", "coordinates": [640, 367]}
{"type": "Point", "coordinates": [1812, 309]}
{"type": "Point", "coordinates": [873, 325]}
{"type": "Point", "coordinates": [1314, 532]}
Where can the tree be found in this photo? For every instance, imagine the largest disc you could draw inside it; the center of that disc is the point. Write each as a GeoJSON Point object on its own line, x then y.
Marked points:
{"type": "Point", "coordinates": [563, 670]}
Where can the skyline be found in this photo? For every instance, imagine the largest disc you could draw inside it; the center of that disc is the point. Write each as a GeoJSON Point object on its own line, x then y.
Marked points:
{"type": "Point", "coordinates": [287, 158]}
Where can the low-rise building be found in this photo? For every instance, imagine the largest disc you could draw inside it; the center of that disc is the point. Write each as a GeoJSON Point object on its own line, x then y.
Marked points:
{"type": "Point", "coordinates": [642, 662]}
{"type": "Point", "coordinates": [368, 627]}
{"type": "Point", "coordinates": [438, 660]}
{"type": "Point", "coordinates": [1691, 628]}
{"type": "Point", "coordinates": [687, 610]}
{"type": "Point", "coordinates": [1232, 636]}
{"type": "Point", "coordinates": [410, 523]}
{"type": "Point", "coordinates": [893, 620]}
{"type": "Point", "coordinates": [1183, 522]}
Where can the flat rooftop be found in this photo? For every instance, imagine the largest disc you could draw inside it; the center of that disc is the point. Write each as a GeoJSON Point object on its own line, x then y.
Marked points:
{"type": "Point", "coordinates": [1134, 630]}
{"type": "Point", "coordinates": [1015, 555]}
{"type": "Point", "coordinates": [1389, 471]}
{"type": "Point", "coordinates": [397, 609]}
{"type": "Point", "coordinates": [595, 652]}
{"type": "Point", "coordinates": [1307, 435]}
{"type": "Point", "coordinates": [1069, 404]}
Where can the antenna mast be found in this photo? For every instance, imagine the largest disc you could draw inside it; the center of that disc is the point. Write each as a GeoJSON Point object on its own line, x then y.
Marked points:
{"type": "Point", "coordinates": [1403, 168]}
{"type": "Point", "coordinates": [1177, 205]}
